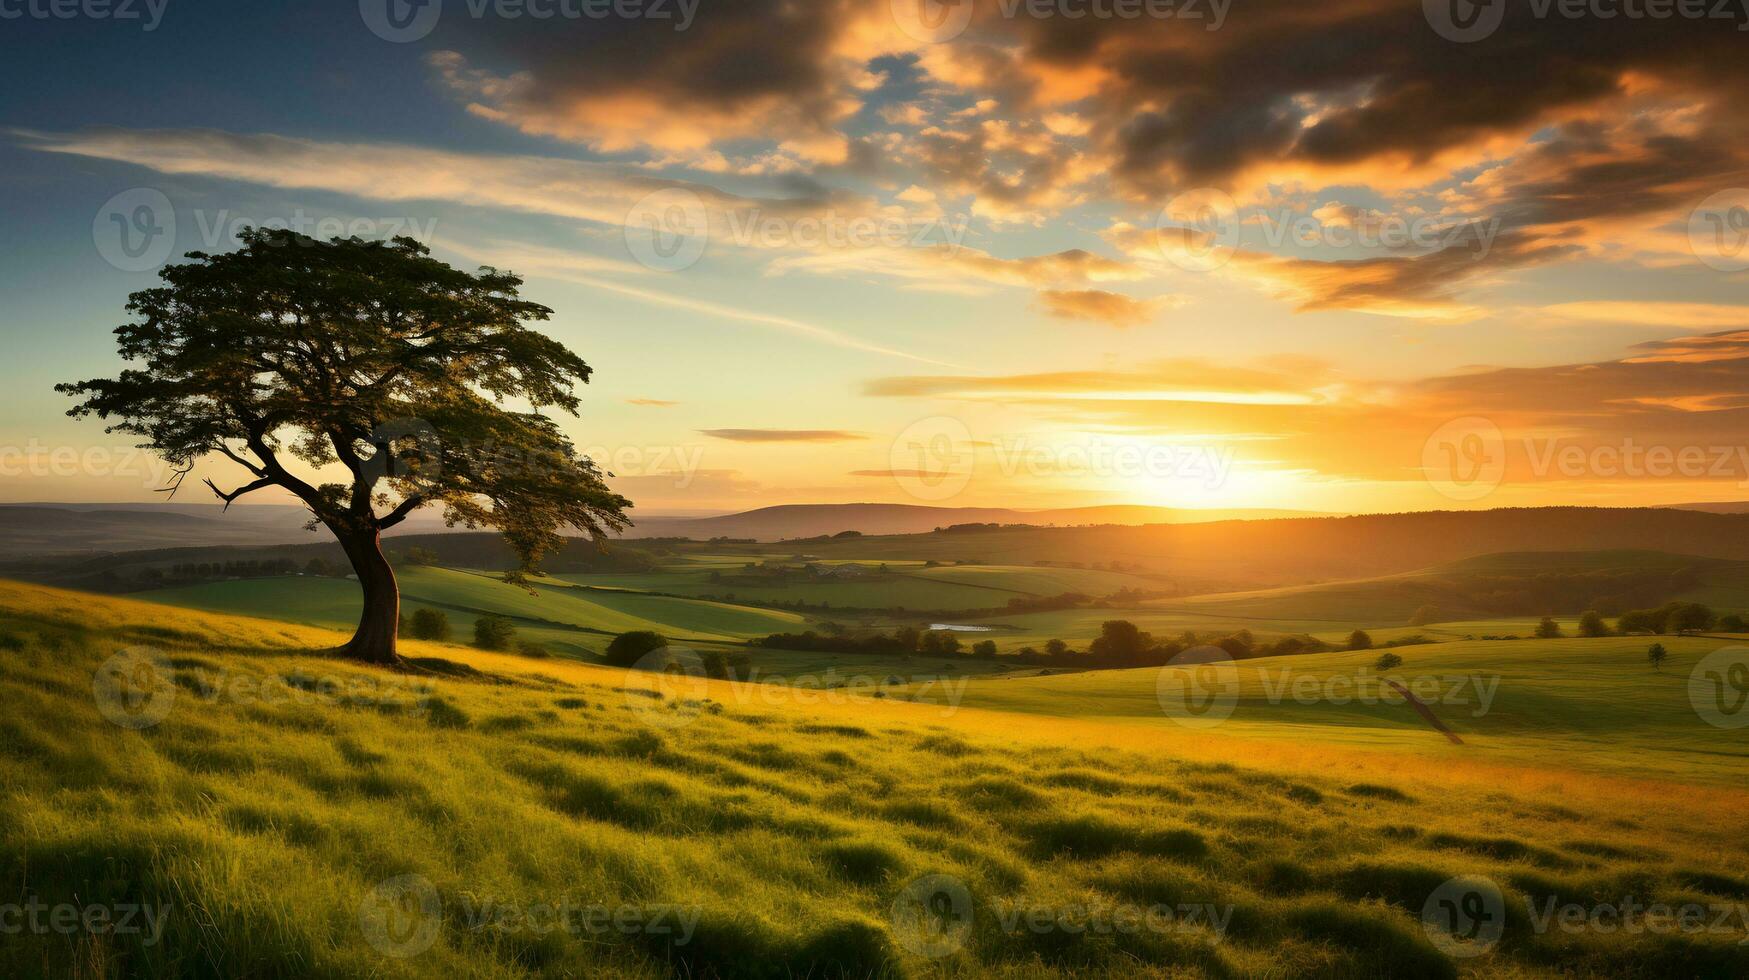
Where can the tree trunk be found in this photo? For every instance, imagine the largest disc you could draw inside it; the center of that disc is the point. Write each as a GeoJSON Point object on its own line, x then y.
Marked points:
{"type": "Point", "coordinates": [374, 641]}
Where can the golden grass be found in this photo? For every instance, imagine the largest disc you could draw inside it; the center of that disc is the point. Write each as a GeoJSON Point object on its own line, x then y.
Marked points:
{"type": "Point", "coordinates": [281, 790]}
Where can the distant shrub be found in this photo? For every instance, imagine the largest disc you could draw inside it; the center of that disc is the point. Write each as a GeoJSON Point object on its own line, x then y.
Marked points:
{"type": "Point", "coordinates": [493, 632]}
{"type": "Point", "coordinates": [1548, 629]}
{"type": "Point", "coordinates": [1656, 655]}
{"type": "Point", "coordinates": [628, 648]}
{"type": "Point", "coordinates": [529, 648]}
{"type": "Point", "coordinates": [1359, 640]}
{"type": "Point", "coordinates": [429, 624]}
{"type": "Point", "coordinates": [984, 649]}
{"type": "Point", "coordinates": [1424, 616]}
{"type": "Point", "coordinates": [1387, 661]}
{"type": "Point", "coordinates": [1591, 624]}
{"type": "Point", "coordinates": [716, 664]}
{"type": "Point", "coordinates": [1733, 623]}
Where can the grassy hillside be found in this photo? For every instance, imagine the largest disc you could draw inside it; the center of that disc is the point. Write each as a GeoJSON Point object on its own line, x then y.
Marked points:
{"type": "Point", "coordinates": [1594, 704]}
{"type": "Point", "coordinates": [287, 815]}
{"type": "Point", "coordinates": [1487, 586]}
{"type": "Point", "coordinates": [465, 595]}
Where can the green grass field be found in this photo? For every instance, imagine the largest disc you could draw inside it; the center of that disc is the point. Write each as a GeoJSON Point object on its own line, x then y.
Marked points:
{"type": "Point", "coordinates": [465, 595]}
{"type": "Point", "coordinates": [1593, 704]}
{"type": "Point", "coordinates": [284, 814]}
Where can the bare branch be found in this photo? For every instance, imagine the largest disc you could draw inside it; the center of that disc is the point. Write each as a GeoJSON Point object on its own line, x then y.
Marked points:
{"type": "Point", "coordinates": [400, 513]}
{"type": "Point", "coordinates": [233, 495]}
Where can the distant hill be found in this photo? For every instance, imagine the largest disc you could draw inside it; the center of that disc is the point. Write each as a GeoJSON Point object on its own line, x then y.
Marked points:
{"type": "Point", "coordinates": [1241, 554]}
{"type": "Point", "coordinates": [812, 520]}
{"type": "Point", "coordinates": [69, 529]}
{"type": "Point", "coordinates": [1519, 583]}
{"type": "Point", "coordinates": [1715, 507]}
{"type": "Point", "coordinates": [122, 571]}
{"type": "Point", "coordinates": [65, 529]}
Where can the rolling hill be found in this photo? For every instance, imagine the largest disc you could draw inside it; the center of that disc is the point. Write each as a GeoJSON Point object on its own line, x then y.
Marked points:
{"type": "Point", "coordinates": [278, 808]}
{"type": "Point", "coordinates": [812, 520]}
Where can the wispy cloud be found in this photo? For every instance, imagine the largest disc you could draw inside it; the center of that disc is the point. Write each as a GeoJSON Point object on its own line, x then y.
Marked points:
{"type": "Point", "coordinates": [783, 435]}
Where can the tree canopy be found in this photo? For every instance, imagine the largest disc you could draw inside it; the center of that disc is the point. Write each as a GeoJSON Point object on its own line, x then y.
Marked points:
{"type": "Point", "coordinates": [396, 380]}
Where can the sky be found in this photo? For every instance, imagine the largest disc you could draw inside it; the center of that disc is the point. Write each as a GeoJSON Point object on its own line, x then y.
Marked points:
{"type": "Point", "coordinates": [1354, 256]}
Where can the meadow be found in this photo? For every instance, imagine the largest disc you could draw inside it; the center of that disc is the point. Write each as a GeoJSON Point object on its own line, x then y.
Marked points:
{"type": "Point", "coordinates": [284, 814]}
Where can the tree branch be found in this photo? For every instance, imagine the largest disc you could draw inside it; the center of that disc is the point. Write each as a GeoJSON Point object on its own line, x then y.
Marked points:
{"type": "Point", "coordinates": [400, 513]}
{"type": "Point", "coordinates": [240, 491]}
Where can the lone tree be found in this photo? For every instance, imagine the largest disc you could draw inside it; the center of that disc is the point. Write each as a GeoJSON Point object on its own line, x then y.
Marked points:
{"type": "Point", "coordinates": [368, 380]}
{"type": "Point", "coordinates": [1656, 655]}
